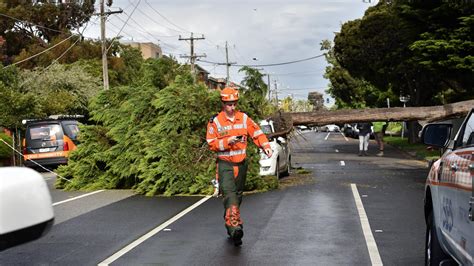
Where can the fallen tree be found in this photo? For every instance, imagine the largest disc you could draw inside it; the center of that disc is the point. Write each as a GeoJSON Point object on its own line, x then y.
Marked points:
{"type": "Point", "coordinates": [285, 121]}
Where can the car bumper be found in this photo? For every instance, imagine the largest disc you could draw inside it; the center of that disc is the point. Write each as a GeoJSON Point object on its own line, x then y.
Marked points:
{"type": "Point", "coordinates": [267, 167]}
{"type": "Point", "coordinates": [46, 161]}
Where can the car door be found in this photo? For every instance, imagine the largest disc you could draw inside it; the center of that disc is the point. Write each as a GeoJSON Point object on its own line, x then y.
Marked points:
{"type": "Point", "coordinates": [457, 225]}
{"type": "Point", "coordinates": [464, 169]}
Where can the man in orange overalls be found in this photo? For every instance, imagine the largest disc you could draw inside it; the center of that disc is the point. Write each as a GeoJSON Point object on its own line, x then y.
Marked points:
{"type": "Point", "coordinates": [227, 135]}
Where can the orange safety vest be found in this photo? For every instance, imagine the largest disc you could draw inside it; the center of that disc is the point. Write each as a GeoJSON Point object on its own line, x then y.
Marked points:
{"type": "Point", "coordinates": [220, 128]}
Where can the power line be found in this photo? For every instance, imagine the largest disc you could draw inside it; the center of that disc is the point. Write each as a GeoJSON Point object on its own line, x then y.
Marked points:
{"type": "Point", "coordinates": [146, 15]}
{"type": "Point", "coordinates": [165, 18]}
{"type": "Point", "coordinates": [275, 64]}
{"type": "Point", "coordinates": [42, 52]}
{"type": "Point", "coordinates": [123, 25]}
{"type": "Point", "coordinates": [31, 23]}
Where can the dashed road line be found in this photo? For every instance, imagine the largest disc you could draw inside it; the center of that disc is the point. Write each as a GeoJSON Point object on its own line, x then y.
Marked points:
{"type": "Point", "coordinates": [326, 138]}
{"type": "Point", "coordinates": [343, 163]}
{"type": "Point", "coordinates": [364, 220]}
{"type": "Point", "coordinates": [344, 136]}
{"type": "Point", "coordinates": [153, 232]}
{"type": "Point", "coordinates": [78, 197]}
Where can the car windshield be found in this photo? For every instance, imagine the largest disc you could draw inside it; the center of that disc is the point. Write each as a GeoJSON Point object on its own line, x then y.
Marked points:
{"type": "Point", "coordinates": [45, 132]}
{"type": "Point", "coordinates": [71, 130]}
{"type": "Point", "coordinates": [267, 129]}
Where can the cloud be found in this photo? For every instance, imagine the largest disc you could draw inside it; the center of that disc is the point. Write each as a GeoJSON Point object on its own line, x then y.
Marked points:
{"type": "Point", "coordinates": [271, 30]}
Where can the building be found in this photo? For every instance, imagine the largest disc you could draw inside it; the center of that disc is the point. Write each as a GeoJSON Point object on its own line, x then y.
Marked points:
{"type": "Point", "coordinates": [148, 49]}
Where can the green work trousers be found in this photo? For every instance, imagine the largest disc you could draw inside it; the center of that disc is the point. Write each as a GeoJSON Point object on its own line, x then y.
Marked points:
{"type": "Point", "coordinates": [231, 185]}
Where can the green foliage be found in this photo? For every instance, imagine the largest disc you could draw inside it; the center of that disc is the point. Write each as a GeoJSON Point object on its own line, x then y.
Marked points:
{"type": "Point", "coordinates": [61, 89]}
{"type": "Point", "coordinates": [53, 20]}
{"type": "Point", "coordinates": [15, 104]}
{"type": "Point", "coordinates": [5, 151]}
{"type": "Point", "coordinates": [151, 139]}
{"type": "Point", "coordinates": [421, 50]}
{"type": "Point", "coordinates": [253, 100]}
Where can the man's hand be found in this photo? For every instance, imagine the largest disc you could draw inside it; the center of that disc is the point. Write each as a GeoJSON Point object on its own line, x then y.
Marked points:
{"type": "Point", "coordinates": [232, 140]}
{"type": "Point", "coordinates": [268, 152]}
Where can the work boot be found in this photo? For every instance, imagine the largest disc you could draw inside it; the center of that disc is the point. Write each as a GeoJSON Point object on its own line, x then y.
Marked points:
{"type": "Point", "coordinates": [237, 237]}
{"type": "Point", "coordinates": [365, 153]}
{"type": "Point", "coordinates": [380, 154]}
{"type": "Point", "coordinates": [360, 153]}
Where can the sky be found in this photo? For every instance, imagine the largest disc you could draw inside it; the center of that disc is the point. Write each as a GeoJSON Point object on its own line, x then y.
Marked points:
{"type": "Point", "coordinates": [258, 32]}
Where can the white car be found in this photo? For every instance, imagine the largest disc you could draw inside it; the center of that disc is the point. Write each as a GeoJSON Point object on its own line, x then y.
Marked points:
{"type": "Point", "coordinates": [26, 208]}
{"type": "Point", "coordinates": [449, 195]}
{"type": "Point", "coordinates": [280, 162]}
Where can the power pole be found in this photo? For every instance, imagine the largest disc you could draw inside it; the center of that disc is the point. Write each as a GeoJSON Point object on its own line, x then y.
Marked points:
{"type": "Point", "coordinates": [192, 57]}
{"type": "Point", "coordinates": [105, 68]}
{"type": "Point", "coordinates": [269, 85]}
{"type": "Point", "coordinates": [276, 93]}
{"type": "Point", "coordinates": [227, 82]}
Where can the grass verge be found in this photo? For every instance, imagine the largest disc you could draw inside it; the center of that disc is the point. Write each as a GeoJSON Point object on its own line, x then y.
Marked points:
{"type": "Point", "coordinates": [418, 150]}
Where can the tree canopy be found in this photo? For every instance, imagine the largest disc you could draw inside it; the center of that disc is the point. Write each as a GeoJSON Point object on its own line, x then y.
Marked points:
{"type": "Point", "coordinates": [423, 50]}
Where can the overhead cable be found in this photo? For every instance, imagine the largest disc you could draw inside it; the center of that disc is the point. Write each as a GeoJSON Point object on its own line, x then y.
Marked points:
{"type": "Point", "coordinates": [44, 51]}
{"type": "Point", "coordinates": [268, 65]}
{"type": "Point", "coordinates": [36, 25]}
{"type": "Point", "coordinates": [112, 42]}
{"type": "Point", "coordinates": [165, 18]}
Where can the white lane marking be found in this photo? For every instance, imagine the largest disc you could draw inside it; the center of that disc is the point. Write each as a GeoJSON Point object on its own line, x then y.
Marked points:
{"type": "Point", "coordinates": [344, 136]}
{"type": "Point", "coordinates": [153, 232]}
{"type": "Point", "coordinates": [78, 197]}
{"type": "Point", "coordinates": [337, 150]}
{"type": "Point", "coordinates": [326, 138]}
{"type": "Point", "coordinates": [343, 163]}
{"type": "Point", "coordinates": [369, 238]}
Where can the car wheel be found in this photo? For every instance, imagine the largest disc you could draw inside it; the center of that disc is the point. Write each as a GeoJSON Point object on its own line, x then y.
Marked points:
{"type": "Point", "coordinates": [434, 255]}
{"type": "Point", "coordinates": [277, 168]}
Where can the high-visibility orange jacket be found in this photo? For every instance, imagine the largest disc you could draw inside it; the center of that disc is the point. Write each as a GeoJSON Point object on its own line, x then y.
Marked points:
{"type": "Point", "coordinates": [220, 128]}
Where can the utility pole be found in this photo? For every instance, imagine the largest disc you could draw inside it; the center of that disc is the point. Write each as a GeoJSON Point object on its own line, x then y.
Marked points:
{"type": "Point", "coordinates": [227, 82]}
{"type": "Point", "coordinates": [276, 93]}
{"type": "Point", "coordinates": [105, 68]}
{"type": "Point", "coordinates": [192, 57]}
{"type": "Point", "coordinates": [269, 85]}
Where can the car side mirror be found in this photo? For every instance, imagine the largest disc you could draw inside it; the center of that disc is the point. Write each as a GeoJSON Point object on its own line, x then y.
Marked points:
{"type": "Point", "coordinates": [436, 135]}
{"type": "Point", "coordinates": [25, 206]}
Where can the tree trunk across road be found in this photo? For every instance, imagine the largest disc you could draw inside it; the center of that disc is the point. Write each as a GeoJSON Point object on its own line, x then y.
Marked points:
{"type": "Point", "coordinates": [429, 113]}
{"type": "Point", "coordinates": [284, 122]}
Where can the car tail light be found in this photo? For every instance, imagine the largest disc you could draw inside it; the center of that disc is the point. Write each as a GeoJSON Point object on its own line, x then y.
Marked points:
{"type": "Point", "coordinates": [66, 146]}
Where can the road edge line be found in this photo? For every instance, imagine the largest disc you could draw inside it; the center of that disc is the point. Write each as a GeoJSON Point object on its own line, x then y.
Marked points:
{"type": "Point", "coordinates": [364, 220]}
{"type": "Point", "coordinates": [78, 197]}
{"type": "Point", "coordinates": [151, 233]}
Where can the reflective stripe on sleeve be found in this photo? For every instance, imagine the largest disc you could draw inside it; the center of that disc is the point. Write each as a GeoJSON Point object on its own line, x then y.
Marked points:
{"type": "Point", "coordinates": [231, 153]}
{"type": "Point", "coordinates": [210, 140]}
{"type": "Point", "coordinates": [221, 144]}
{"type": "Point", "coordinates": [245, 120]}
{"type": "Point", "coordinates": [257, 133]}
{"type": "Point", "coordinates": [219, 127]}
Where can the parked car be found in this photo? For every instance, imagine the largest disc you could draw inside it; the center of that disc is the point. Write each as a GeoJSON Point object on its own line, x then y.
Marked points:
{"type": "Point", "coordinates": [449, 194]}
{"type": "Point", "coordinates": [49, 141]}
{"type": "Point", "coordinates": [280, 162]}
{"type": "Point", "coordinates": [26, 207]}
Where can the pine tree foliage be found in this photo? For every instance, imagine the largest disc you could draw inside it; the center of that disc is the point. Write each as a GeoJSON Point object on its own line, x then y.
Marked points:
{"type": "Point", "coordinates": [151, 138]}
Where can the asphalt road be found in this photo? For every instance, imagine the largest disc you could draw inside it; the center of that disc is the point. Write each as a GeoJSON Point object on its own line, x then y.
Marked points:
{"type": "Point", "coordinates": [313, 224]}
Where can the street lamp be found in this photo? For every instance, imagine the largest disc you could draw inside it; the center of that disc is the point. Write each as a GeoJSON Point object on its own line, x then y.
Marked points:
{"type": "Point", "coordinates": [404, 99]}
